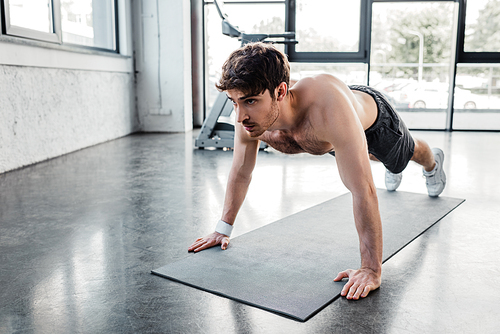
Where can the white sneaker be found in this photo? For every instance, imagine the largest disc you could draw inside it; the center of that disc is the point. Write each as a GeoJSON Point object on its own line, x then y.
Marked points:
{"type": "Point", "coordinates": [436, 179]}
{"type": "Point", "coordinates": [392, 181]}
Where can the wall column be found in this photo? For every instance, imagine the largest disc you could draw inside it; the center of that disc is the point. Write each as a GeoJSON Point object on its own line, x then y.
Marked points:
{"type": "Point", "coordinates": [163, 65]}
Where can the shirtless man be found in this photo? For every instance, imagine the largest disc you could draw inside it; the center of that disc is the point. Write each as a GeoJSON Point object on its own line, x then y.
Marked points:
{"type": "Point", "coordinates": [318, 115]}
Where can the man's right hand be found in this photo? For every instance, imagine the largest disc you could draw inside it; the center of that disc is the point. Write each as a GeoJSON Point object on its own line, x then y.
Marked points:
{"type": "Point", "coordinates": [210, 240]}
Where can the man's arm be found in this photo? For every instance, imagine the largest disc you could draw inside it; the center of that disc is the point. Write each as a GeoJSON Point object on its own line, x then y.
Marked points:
{"type": "Point", "coordinates": [244, 159]}
{"type": "Point", "coordinates": [369, 228]}
{"type": "Point", "coordinates": [348, 138]}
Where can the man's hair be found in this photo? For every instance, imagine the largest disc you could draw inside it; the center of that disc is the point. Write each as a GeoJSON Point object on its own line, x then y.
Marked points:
{"type": "Point", "coordinates": [254, 68]}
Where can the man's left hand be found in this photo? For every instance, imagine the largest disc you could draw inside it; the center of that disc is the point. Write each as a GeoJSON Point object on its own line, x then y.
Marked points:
{"type": "Point", "coordinates": [360, 283]}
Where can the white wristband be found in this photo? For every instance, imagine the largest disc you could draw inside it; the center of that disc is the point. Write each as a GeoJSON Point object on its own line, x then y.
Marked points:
{"type": "Point", "coordinates": [224, 228]}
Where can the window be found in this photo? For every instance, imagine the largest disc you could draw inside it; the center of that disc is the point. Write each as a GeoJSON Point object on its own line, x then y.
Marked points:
{"type": "Point", "coordinates": [81, 22]}
{"type": "Point", "coordinates": [329, 30]}
{"type": "Point", "coordinates": [479, 32]}
{"type": "Point", "coordinates": [477, 92]}
{"type": "Point", "coordinates": [411, 58]}
{"type": "Point", "coordinates": [423, 54]}
{"type": "Point", "coordinates": [28, 17]}
{"type": "Point", "coordinates": [33, 19]}
{"type": "Point", "coordinates": [482, 26]}
{"type": "Point", "coordinates": [318, 24]}
{"type": "Point", "coordinates": [88, 22]}
{"type": "Point", "coordinates": [477, 97]}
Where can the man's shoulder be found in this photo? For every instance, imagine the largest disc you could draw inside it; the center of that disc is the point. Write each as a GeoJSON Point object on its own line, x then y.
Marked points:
{"type": "Point", "coordinates": [319, 79]}
{"type": "Point", "coordinates": [323, 98]}
{"type": "Point", "coordinates": [320, 84]}
{"type": "Point", "coordinates": [320, 90]}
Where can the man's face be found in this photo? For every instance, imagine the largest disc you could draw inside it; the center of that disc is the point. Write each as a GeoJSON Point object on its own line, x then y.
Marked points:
{"type": "Point", "coordinates": [257, 113]}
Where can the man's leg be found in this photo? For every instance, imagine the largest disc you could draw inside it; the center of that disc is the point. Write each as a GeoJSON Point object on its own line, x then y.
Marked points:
{"type": "Point", "coordinates": [392, 181]}
{"type": "Point", "coordinates": [423, 155]}
{"type": "Point", "coordinates": [395, 152]}
{"type": "Point", "coordinates": [432, 163]}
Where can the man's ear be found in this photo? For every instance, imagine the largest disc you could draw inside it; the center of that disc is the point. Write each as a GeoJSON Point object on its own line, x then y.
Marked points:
{"type": "Point", "coordinates": [281, 91]}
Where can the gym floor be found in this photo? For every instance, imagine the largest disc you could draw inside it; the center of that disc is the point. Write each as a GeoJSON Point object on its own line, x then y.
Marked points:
{"type": "Point", "coordinates": [80, 234]}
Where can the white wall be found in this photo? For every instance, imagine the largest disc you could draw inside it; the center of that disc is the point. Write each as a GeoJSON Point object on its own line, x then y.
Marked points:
{"type": "Point", "coordinates": [48, 112]}
{"type": "Point", "coordinates": [55, 99]}
{"type": "Point", "coordinates": [162, 34]}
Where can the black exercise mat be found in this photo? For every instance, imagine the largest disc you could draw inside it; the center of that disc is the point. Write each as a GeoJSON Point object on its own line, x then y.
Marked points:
{"type": "Point", "coordinates": [288, 267]}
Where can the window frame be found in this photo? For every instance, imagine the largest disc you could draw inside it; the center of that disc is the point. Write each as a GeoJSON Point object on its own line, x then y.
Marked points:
{"type": "Point", "coordinates": [471, 57]}
{"type": "Point", "coordinates": [17, 31]}
{"type": "Point", "coordinates": [116, 39]}
{"type": "Point", "coordinates": [17, 51]}
{"type": "Point", "coordinates": [55, 38]}
{"type": "Point", "coordinates": [361, 56]}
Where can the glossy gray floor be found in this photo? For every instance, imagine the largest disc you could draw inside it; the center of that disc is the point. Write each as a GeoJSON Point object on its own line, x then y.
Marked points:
{"type": "Point", "coordinates": [80, 234]}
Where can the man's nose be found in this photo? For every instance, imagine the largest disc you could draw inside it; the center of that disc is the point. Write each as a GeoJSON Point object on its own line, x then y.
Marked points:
{"type": "Point", "coordinates": [240, 115]}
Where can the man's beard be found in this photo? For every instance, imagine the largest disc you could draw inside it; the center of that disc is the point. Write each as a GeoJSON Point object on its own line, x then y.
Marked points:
{"type": "Point", "coordinates": [271, 118]}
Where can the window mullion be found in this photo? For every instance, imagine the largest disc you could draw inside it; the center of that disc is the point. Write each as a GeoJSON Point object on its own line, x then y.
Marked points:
{"type": "Point", "coordinates": [56, 19]}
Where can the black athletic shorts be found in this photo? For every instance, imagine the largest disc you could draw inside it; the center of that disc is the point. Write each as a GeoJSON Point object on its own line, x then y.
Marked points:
{"type": "Point", "coordinates": [388, 138]}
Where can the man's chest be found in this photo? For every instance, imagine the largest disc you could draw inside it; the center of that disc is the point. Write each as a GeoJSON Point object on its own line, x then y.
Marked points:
{"type": "Point", "coordinates": [298, 142]}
